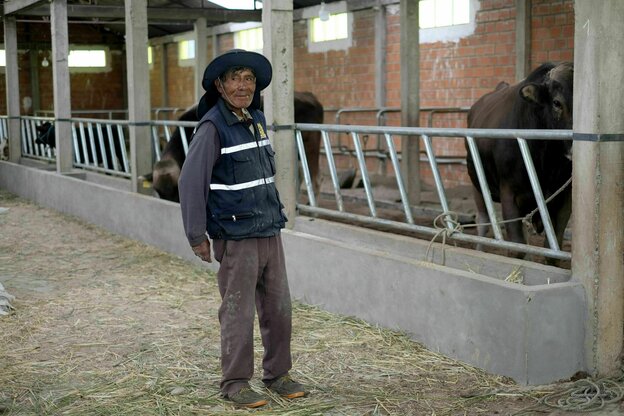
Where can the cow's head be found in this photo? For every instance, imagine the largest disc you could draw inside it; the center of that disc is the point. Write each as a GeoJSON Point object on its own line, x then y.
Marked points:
{"type": "Point", "coordinates": [45, 134]}
{"type": "Point", "coordinates": [165, 179]}
{"type": "Point", "coordinates": [553, 95]}
{"type": "Point", "coordinates": [4, 148]}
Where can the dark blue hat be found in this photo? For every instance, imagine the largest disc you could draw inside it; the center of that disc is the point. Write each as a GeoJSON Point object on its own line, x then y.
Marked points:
{"type": "Point", "coordinates": [233, 58]}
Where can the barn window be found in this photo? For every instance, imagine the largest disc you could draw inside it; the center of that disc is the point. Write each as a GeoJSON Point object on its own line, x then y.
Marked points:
{"type": "Point", "coordinates": [2, 57]}
{"type": "Point", "coordinates": [186, 52]}
{"type": "Point", "coordinates": [446, 20]}
{"type": "Point", "coordinates": [249, 39]}
{"type": "Point", "coordinates": [440, 13]}
{"type": "Point", "coordinates": [332, 29]}
{"type": "Point", "coordinates": [329, 27]}
{"type": "Point", "coordinates": [88, 59]}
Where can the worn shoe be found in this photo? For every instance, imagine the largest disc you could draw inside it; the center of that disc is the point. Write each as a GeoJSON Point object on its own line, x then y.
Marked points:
{"type": "Point", "coordinates": [287, 388]}
{"type": "Point", "coordinates": [246, 397]}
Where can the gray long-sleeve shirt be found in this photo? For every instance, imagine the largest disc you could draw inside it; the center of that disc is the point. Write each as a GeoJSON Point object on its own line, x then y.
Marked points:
{"type": "Point", "coordinates": [194, 182]}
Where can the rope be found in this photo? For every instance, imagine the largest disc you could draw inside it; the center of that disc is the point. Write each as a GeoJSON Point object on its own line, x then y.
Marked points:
{"type": "Point", "coordinates": [447, 223]}
{"type": "Point", "coordinates": [584, 396]}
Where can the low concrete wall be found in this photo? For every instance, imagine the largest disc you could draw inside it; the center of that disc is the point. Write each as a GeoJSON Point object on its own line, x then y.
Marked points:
{"type": "Point", "coordinates": [532, 333]}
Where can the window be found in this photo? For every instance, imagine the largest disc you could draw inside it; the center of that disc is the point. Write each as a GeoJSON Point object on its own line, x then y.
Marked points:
{"type": "Point", "coordinates": [249, 39]}
{"type": "Point", "coordinates": [2, 57]}
{"type": "Point", "coordinates": [87, 58]}
{"type": "Point", "coordinates": [150, 57]}
{"type": "Point", "coordinates": [334, 32]}
{"type": "Point", "coordinates": [333, 29]}
{"type": "Point", "coordinates": [446, 20]}
{"type": "Point", "coordinates": [186, 50]}
{"type": "Point", "coordinates": [440, 13]}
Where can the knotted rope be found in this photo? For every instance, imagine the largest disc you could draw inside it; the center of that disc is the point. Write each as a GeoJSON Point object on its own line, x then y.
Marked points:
{"type": "Point", "coordinates": [447, 223]}
{"type": "Point", "coordinates": [584, 395]}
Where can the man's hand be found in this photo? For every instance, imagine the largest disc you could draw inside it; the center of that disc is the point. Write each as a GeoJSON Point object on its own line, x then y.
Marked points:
{"type": "Point", "coordinates": [203, 251]}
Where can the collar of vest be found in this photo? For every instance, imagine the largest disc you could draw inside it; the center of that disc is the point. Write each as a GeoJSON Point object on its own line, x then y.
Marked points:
{"type": "Point", "coordinates": [229, 117]}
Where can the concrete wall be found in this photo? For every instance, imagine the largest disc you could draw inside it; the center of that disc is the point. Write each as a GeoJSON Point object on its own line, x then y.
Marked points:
{"type": "Point", "coordinates": [532, 333]}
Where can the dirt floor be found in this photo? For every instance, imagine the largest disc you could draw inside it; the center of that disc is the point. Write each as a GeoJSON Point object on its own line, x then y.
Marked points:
{"type": "Point", "coordinates": [104, 325]}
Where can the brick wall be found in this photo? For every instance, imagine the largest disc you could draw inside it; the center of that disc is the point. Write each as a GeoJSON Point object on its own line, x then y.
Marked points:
{"type": "Point", "coordinates": [106, 90]}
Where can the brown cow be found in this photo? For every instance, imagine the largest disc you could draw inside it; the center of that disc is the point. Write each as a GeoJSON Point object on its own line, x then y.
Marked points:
{"type": "Point", "coordinates": [164, 176]}
{"type": "Point", "coordinates": [542, 101]}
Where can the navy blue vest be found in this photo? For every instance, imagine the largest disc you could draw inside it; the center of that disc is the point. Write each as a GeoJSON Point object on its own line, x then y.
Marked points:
{"type": "Point", "coordinates": [243, 201]}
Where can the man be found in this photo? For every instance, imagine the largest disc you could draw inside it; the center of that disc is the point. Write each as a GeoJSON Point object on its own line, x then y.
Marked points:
{"type": "Point", "coordinates": [227, 191]}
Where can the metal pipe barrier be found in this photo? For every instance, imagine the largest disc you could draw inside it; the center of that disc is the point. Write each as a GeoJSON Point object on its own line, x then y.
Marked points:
{"type": "Point", "coordinates": [99, 145]}
{"type": "Point", "coordinates": [166, 126]}
{"type": "Point", "coordinates": [4, 127]}
{"type": "Point", "coordinates": [380, 151]}
{"type": "Point", "coordinates": [428, 135]}
{"type": "Point", "coordinates": [90, 137]}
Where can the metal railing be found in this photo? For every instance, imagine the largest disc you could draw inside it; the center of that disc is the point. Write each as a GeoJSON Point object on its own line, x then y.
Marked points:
{"type": "Point", "coordinates": [4, 127]}
{"type": "Point", "coordinates": [167, 127]}
{"type": "Point", "coordinates": [91, 137]}
{"type": "Point", "coordinates": [380, 151]}
{"type": "Point", "coordinates": [99, 145]}
{"type": "Point", "coordinates": [157, 112]}
{"type": "Point", "coordinates": [427, 135]}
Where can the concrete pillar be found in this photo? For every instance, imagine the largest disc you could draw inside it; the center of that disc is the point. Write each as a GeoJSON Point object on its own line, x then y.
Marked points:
{"type": "Point", "coordinates": [277, 32]}
{"type": "Point", "coordinates": [164, 75]}
{"type": "Point", "coordinates": [598, 178]}
{"type": "Point", "coordinates": [523, 38]}
{"type": "Point", "coordinates": [12, 94]}
{"type": "Point", "coordinates": [138, 92]}
{"type": "Point", "coordinates": [62, 88]}
{"type": "Point", "coordinates": [201, 55]}
{"type": "Point", "coordinates": [380, 56]}
{"type": "Point", "coordinates": [34, 80]}
{"type": "Point", "coordinates": [410, 100]}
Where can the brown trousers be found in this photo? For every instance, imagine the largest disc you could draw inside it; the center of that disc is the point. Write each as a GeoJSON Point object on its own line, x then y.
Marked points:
{"type": "Point", "coordinates": [252, 276]}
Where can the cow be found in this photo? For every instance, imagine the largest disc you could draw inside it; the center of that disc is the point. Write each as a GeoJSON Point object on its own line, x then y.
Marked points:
{"type": "Point", "coordinates": [166, 171]}
{"type": "Point", "coordinates": [541, 101]}
{"type": "Point", "coordinates": [46, 135]}
{"type": "Point", "coordinates": [4, 148]}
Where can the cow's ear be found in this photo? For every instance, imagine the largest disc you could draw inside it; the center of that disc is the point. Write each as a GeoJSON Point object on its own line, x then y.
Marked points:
{"type": "Point", "coordinates": [531, 93]}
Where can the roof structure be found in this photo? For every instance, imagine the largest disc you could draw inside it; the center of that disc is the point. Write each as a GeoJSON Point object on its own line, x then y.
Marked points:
{"type": "Point", "coordinates": [165, 17]}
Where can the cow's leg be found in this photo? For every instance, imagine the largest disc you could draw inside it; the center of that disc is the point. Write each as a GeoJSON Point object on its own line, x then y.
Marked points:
{"type": "Point", "coordinates": [560, 215]}
{"type": "Point", "coordinates": [482, 218]}
{"type": "Point", "coordinates": [511, 210]}
{"type": "Point", "coordinates": [312, 146]}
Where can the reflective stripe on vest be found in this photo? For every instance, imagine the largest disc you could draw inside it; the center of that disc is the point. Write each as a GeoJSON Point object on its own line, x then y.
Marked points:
{"type": "Point", "coordinates": [239, 186]}
{"type": "Point", "coordinates": [238, 148]}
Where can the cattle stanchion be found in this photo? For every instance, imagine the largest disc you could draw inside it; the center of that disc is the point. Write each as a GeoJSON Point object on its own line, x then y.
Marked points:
{"type": "Point", "coordinates": [487, 195]}
{"type": "Point", "coordinates": [539, 196]}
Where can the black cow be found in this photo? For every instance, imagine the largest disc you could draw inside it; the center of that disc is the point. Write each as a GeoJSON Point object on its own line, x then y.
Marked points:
{"type": "Point", "coordinates": [542, 101]}
{"type": "Point", "coordinates": [166, 171]}
{"type": "Point", "coordinates": [4, 148]}
{"type": "Point", "coordinates": [46, 135]}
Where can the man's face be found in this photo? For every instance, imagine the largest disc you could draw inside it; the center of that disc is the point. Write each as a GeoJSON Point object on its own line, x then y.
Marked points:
{"type": "Point", "coordinates": [238, 87]}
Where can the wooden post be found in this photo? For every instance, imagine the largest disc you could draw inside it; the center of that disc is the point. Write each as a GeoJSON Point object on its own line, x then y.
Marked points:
{"type": "Point", "coordinates": [523, 38]}
{"type": "Point", "coordinates": [62, 88]}
{"type": "Point", "coordinates": [410, 100]}
{"type": "Point", "coordinates": [598, 178]}
{"type": "Point", "coordinates": [138, 92]}
{"type": "Point", "coordinates": [12, 93]}
{"type": "Point", "coordinates": [201, 55]}
{"type": "Point", "coordinates": [277, 32]}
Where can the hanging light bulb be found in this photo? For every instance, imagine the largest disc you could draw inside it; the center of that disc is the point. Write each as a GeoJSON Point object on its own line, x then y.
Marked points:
{"type": "Point", "coordinates": [323, 13]}
{"type": "Point", "coordinates": [45, 62]}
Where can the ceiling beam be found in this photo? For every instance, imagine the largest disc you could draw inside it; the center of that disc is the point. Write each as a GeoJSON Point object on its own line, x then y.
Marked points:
{"type": "Point", "coordinates": [13, 6]}
{"type": "Point", "coordinates": [153, 13]}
